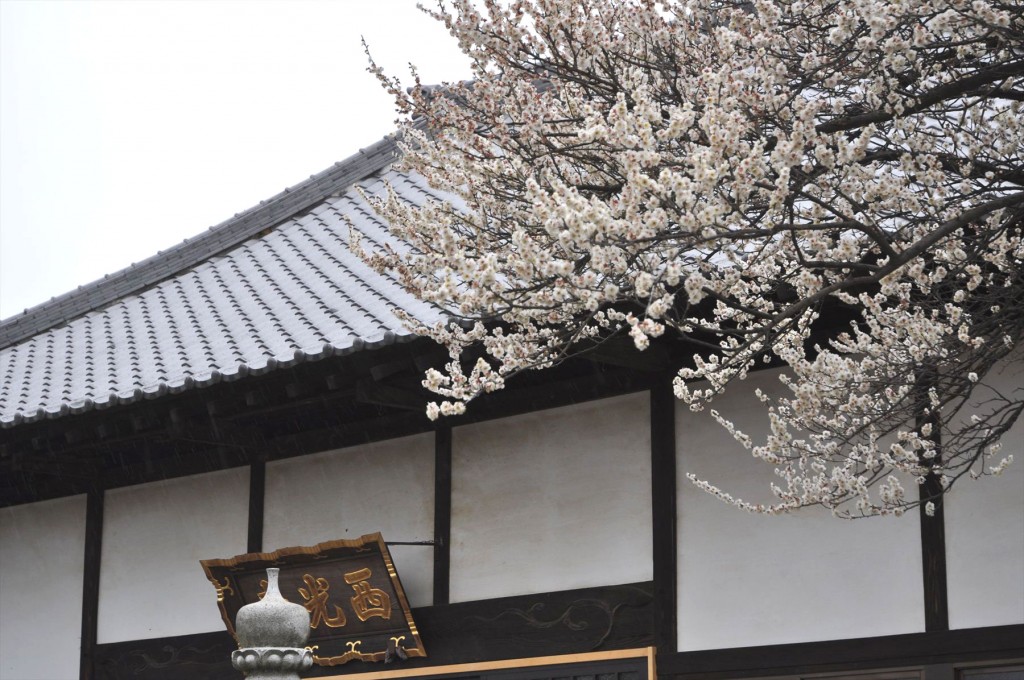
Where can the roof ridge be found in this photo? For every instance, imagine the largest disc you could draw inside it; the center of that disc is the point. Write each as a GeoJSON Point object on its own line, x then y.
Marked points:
{"type": "Point", "coordinates": [192, 251]}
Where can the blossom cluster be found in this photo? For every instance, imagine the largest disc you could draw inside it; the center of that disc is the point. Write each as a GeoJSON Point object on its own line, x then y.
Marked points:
{"type": "Point", "coordinates": [834, 187]}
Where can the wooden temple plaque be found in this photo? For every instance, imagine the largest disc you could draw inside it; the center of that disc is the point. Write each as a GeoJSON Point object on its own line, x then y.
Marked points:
{"type": "Point", "coordinates": [356, 603]}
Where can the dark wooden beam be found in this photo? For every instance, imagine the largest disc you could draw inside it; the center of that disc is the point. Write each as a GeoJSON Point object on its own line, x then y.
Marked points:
{"type": "Point", "coordinates": [969, 645]}
{"type": "Point", "coordinates": [298, 390]}
{"type": "Point", "coordinates": [933, 561]}
{"type": "Point", "coordinates": [430, 356]}
{"type": "Point", "coordinates": [199, 656]}
{"type": "Point", "coordinates": [933, 535]}
{"type": "Point", "coordinates": [187, 439]}
{"type": "Point", "coordinates": [384, 369]}
{"type": "Point", "coordinates": [941, 671]}
{"type": "Point", "coordinates": [185, 457]}
{"type": "Point", "coordinates": [18, 487]}
{"type": "Point", "coordinates": [621, 351]}
{"type": "Point", "coordinates": [257, 493]}
{"type": "Point", "coordinates": [55, 465]}
{"type": "Point", "coordinates": [442, 513]}
{"type": "Point", "coordinates": [543, 624]}
{"type": "Point", "coordinates": [663, 510]}
{"type": "Point", "coordinates": [564, 622]}
{"type": "Point", "coordinates": [91, 583]}
{"type": "Point", "coordinates": [342, 434]}
{"type": "Point", "coordinates": [370, 392]}
{"type": "Point", "coordinates": [551, 392]}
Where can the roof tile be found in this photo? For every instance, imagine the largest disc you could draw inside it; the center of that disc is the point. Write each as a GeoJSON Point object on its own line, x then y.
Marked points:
{"type": "Point", "coordinates": [221, 309]}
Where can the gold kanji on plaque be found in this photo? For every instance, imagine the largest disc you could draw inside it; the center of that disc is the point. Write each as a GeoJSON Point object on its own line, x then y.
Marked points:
{"type": "Point", "coordinates": [315, 600]}
{"type": "Point", "coordinates": [368, 601]}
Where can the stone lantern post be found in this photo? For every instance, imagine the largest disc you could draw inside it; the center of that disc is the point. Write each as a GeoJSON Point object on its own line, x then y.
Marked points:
{"type": "Point", "coordinates": [272, 635]}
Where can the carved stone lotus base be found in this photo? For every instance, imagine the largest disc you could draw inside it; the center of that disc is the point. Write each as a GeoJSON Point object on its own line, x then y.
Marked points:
{"type": "Point", "coordinates": [271, 663]}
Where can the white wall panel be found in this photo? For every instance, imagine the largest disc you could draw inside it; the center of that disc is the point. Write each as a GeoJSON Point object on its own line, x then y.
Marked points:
{"type": "Point", "coordinates": [151, 583]}
{"type": "Point", "coordinates": [985, 531]}
{"type": "Point", "coordinates": [42, 547]}
{"type": "Point", "coordinates": [752, 580]}
{"type": "Point", "coordinates": [552, 500]}
{"type": "Point", "coordinates": [386, 486]}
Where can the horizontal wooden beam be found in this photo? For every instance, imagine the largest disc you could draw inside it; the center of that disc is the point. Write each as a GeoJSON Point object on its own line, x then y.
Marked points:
{"type": "Point", "coordinates": [621, 351]}
{"type": "Point", "coordinates": [833, 656]}
{"type": "Point", "coordinates": [581, 621]}
{"type": "Point", "coordinates": [646, 653]}
{"type": "Point", "coordinates": [372, 392]}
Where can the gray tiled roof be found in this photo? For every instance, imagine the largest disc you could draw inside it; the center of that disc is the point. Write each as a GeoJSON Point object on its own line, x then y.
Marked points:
{"type": "Point", "coordinates": [273, 286]}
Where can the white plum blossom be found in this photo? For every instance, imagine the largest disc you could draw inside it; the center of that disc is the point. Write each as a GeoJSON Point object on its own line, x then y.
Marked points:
{"type": "Point", "coordinates": [836, 188]}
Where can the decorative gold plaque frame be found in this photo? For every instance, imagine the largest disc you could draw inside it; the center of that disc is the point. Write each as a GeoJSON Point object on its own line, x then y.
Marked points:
{"type": "Point", "coordinates": [357, 605]}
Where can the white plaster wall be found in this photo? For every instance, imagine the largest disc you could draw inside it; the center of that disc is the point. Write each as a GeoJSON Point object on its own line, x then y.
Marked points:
{"type": "Point", "coordinates": [552, 500]}
{"type": "Point", "coordinates": [151, 583]}
{"type": "Point", "coordinates": [748, 580]}
{"type": "Point", "coordinates": [985, 531]}
{"type": "Point", "coordinates": [385, 486]}
{"type": "Point", "coordinates": [42, 547]}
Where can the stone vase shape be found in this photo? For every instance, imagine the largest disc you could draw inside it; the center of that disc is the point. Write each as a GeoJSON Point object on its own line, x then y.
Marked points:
{"type": "Point", "coordinates": [271, 634]}
{"type": "Point", "coordinates": [273, 621]}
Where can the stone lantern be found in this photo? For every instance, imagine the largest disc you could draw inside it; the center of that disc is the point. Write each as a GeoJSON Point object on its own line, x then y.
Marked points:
{"type": "Point", "coordinates": [272, 635]}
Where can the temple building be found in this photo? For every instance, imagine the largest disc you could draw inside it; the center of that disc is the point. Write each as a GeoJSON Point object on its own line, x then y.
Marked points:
{"type": "Point", "coordinates": [251, 390]}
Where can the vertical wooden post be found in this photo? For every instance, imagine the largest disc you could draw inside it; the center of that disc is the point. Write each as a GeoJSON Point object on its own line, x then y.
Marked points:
{"type": "Point", "coordinates": [442, 513]}
{"type": "Point", "coordinates": [933, 558]}
{"type": "Point", "coordinates": [663, 508]}
{"type": "Point", "coordinates": [91, 582]}
{"type": "Point", "coordinates": [933, 528]}
{"type": "Point", "coordinates": [257, 492]}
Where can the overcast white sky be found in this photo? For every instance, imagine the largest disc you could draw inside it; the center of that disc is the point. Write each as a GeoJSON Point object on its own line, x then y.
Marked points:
{"type": "Point", "coordinates": [127, 126]}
